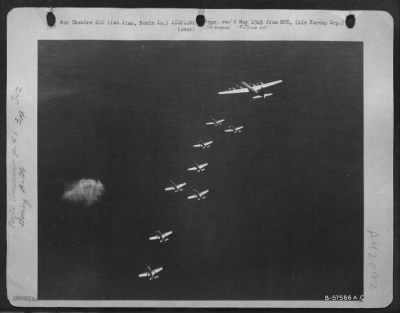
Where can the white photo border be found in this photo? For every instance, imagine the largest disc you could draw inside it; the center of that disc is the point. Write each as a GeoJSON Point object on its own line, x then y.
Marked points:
{"type": "Point", "coordinates": [25, 26]}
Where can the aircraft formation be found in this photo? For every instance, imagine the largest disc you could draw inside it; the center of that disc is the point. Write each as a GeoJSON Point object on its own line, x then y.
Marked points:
{"type": "Point", "coordinates": [243, 87]}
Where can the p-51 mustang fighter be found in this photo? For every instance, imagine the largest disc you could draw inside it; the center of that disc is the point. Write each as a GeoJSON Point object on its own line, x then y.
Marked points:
{"type": "Point", "coordinates": [255, 89]}
{"type": "Point", "coordinates": [162, 237]}
{"type": "Point", "coordinates": [203, 145]}
{"type": "Point", "coordinates": [198, 195]}
{"type": "Point", "coordinates": [175, 187]}
{"type": "Point", "coordinates": [233, 129]}
{"type": "Point", "coordinates": [198, 167]}
{"type": "Point", "coordinates": [215, 122]}
{"type": "Point", "coordinates": [151, 274]}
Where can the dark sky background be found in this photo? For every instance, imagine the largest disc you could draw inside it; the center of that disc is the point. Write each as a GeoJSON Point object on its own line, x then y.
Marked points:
{"type": "Point", "coordinates": [284, 216]}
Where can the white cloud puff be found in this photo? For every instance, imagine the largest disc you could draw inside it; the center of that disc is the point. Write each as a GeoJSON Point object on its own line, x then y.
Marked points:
{"type": "Point", "coordinates": [86, 191]}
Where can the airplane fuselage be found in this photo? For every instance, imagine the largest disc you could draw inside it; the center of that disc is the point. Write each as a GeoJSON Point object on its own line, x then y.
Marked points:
{"type": "Point", "coordinates": [175, 186]}
{"type": "Point", "coordinates": [150, 273]}
{"type": "Point", "coordinates": [204, 145]}
{"type": "Point", "coordinates": [235, 130]}
{"type": "Point", "coordinates": [217, 123]}
{"type": "Point", "coordinates": [198, 167]}
{"type": "Point", "coordinates": [251, 89]}
{"type": "Point", "coordinates": [153, 276]}
{"type": "Point", "coordinates": [199, 196]}
{"type": "Point", "coordinates": [177, 189]}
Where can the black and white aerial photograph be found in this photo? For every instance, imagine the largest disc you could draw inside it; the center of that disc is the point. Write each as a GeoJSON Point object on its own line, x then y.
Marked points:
{"type": "Point", "coordinates": [200, 170]}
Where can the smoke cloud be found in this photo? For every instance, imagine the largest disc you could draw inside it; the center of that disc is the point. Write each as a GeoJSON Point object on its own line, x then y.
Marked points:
{"type": "Point", "coordinates": [86, 191]}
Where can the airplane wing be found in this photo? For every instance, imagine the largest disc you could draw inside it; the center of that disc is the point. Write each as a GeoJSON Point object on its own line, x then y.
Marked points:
{"type": "Point", "coordinates": [239, 127]}
{"type": "Point", "coordinates": [203, 165]}
{"type": "Point", "coordinates": [144, 275]}
{"type": "Point", "coordinates": [180, 185]}
{"type": "Point", "coordinates": [191, 168]}
{"type": "Point", "coordinates": [265, 85]}
{"type": "Point", "coordinates": [203, 192]}
{"type": "Point", "coordinates": [197, 145]}
{"type": "Point", "coordinates": [220, 121]}
{"type": "Point", "coordinates": [169, 188]}
{"type": "Point", "coordinates": [210, 123]}
{"type": "Point", "coordinates": [157, 270]}
{"type": "Point", "coordinates": [192, 197]}
{"type": "Point", "coordinates": [228, 130]}
{"type": "Point", "coordinates": [208, 143]}
{"type": "Point", "coordinates": [154, 238]}
{"type": "Point", "coordinates": [168, 233]}
{"type": "Point", "coordinates": [232, 91]}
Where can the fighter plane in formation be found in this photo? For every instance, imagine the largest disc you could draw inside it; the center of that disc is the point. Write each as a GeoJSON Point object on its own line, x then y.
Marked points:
{"type": "Point", "coordinates": [215, 122]}
{"type": "Point", "coordinates": [198, 195]}
{"type": "Point", "coordinates": [198, 167]}
{"type": "Point", "coordinates": [162, 237]}
{"type": "Point", "coordinates": [203, 145]}
{"type": "Point", "coordinates": [256, 89]}
{"type": "Point", "coordinates": [175, 187]}
{"type": "Point", "coordinates": [233, 129]}
{"type": "Point", "coordinates": [151, 274]}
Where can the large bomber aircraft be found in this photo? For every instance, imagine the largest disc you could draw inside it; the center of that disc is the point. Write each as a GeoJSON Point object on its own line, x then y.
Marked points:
{"type": "Point", "coordinates": [256, 89]}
